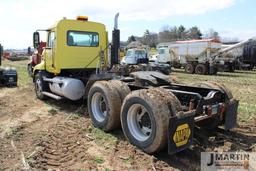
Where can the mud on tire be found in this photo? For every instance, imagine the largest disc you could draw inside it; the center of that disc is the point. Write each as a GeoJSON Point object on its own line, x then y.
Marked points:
{"type": "Point", "coordinates": [145, 117]}
{"type": "Point", "coordinates": [122, 88]}
{"type": "Point", "coordinates": [104, 104]}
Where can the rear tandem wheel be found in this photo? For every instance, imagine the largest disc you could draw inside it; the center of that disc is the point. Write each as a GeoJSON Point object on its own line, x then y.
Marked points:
{"type": "Point", "coordinates": [145, 117]}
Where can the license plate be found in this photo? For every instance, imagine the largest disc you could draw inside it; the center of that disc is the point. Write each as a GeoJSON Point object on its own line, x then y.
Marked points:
{"type": "Point", "coordinates": [11, 79]}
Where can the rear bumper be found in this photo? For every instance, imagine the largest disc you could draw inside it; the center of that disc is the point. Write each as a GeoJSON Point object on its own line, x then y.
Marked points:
{"type": "Point", "coordinates": [181, 128]}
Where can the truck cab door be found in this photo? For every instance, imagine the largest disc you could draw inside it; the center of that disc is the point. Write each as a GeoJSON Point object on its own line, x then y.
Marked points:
{"type": "Point", "coordinates": [49, 52]}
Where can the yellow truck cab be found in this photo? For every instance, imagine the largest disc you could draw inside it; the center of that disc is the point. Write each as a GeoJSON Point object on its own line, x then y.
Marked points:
{"type": "Point", "coordinates": [74, 44]}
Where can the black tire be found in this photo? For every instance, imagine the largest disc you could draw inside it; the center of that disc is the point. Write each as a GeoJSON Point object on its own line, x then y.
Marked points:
{"type": "Point", "coordinates": [189, 68]}
{"type": "Point", "coordinates": [40, 85]}
{"type": "Point", "coordinates": [158, 106]}
{"type": "Point", "coordinates": [213, 123]}
{"type": "Point", "coordinates": [231, 68]}
{"type": "Point", "coordinates": [122, 88]}
{"type": "Point", "coordinates": [106, 115]}
{"type": "Point", "coordinates": [201, 69]}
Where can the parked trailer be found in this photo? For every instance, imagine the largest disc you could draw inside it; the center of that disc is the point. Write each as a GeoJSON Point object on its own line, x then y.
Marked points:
{"type": "Point", "coordinates": [206, 56]}
{"type": "Point", "coordinates": [249, 55]}
{"type": "Point", "coordinates": [236, 49]}
{"type": "Point", "coordinates": [152, 111]}
{"type": "Point", "coordinates": [193, 55]}
{"type": "Point", "coordinates": [244, 55]}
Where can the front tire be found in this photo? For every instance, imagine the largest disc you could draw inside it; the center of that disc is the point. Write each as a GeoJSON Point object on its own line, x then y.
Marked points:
{"type": "Point", "coordinates": [145, 118]}
{"type": "Point", "coordinates": [40, 86]}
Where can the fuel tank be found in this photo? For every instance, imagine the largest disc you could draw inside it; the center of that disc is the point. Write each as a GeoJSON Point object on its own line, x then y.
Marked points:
{"type": "Point", "coordinates": [70, 88]}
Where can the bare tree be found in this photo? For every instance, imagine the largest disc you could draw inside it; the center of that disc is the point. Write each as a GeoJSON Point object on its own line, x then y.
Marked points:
{"type": "Point", "coordinates": [150, 38]}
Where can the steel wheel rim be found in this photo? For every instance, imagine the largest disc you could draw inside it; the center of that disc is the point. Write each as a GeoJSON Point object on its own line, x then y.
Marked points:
{"type": "Point", "coordinates": [99, 107]}
{"type": "Point", "coordinates": [139, 122]}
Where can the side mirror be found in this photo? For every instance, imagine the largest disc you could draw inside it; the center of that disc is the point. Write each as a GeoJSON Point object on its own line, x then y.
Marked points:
{"type": "Point", "coordinates": [36, 39]}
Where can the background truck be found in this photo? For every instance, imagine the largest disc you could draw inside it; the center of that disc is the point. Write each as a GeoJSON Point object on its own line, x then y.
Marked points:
{"type": "Point", "coordinates": [137, 59]}
{"type": "Point", "coordinates": [8, 75]}
{"type": "Point", "coordinates": [35, 58]}
{"type": "Point", "coordinates": [135, 56]}
{"type": "Point", "coordinates": [206, 56]}
{"type": "Point", "coordinates": [152, 111]}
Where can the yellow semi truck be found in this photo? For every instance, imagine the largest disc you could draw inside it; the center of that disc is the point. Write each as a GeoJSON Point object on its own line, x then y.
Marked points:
{"type": "Point", "coordinates": [152, 111]}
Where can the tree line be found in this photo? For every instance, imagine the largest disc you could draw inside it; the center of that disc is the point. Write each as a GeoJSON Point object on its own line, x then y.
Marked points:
{"type": "Point", "coordinates": [169, 34]}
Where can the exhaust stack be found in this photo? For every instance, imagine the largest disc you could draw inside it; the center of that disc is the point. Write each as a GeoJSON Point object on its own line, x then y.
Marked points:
{"type": "Point", "coordinates": [115, 43]}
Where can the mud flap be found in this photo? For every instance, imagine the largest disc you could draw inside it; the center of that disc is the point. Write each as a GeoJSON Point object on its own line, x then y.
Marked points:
{"type": "Point", "coordinates": [180, 134]}
{"type": "Point", "coordinates": [231, 114]}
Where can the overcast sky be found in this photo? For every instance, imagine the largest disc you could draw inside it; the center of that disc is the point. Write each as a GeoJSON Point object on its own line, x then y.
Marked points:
{"type": "Point", "coordinates": [231, 18]}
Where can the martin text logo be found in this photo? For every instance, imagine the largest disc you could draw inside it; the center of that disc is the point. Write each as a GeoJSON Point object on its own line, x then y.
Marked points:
{"type": "Point", "coordinates": [235, 161]}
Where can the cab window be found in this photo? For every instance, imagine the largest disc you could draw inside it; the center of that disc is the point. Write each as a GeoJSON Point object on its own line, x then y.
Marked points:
{"type": "Point", "coordinates": [51, 39]}
{"type": "Point", "coordinates": [80, 38]}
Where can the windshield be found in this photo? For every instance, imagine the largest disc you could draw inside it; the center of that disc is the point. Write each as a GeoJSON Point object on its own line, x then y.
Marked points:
{"type": "Point", "coordinates": [140, 54]}
{"type": "Point", "coordinates": [129, 54]}
{"type": "Point", "coordinates": [161, 51]}
{"type": "Point", "coordinates": [136, 53]}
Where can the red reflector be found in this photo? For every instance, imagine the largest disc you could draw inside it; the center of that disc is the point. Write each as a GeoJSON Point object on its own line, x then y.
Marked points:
{"type": "Point", "coordinates": [209, 110]}
{"type": "Point", "coordinates": [222, 108]}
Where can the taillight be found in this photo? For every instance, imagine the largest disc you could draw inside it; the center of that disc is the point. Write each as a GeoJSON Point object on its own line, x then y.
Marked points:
{"type": "Point", "coordinates": [209, 110]}
{"type": "Point", "coordinates": [222, 108]}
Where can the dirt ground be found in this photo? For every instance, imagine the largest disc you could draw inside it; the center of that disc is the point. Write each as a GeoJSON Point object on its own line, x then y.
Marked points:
{"type": "Point", "coordinates": [50, 135]}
